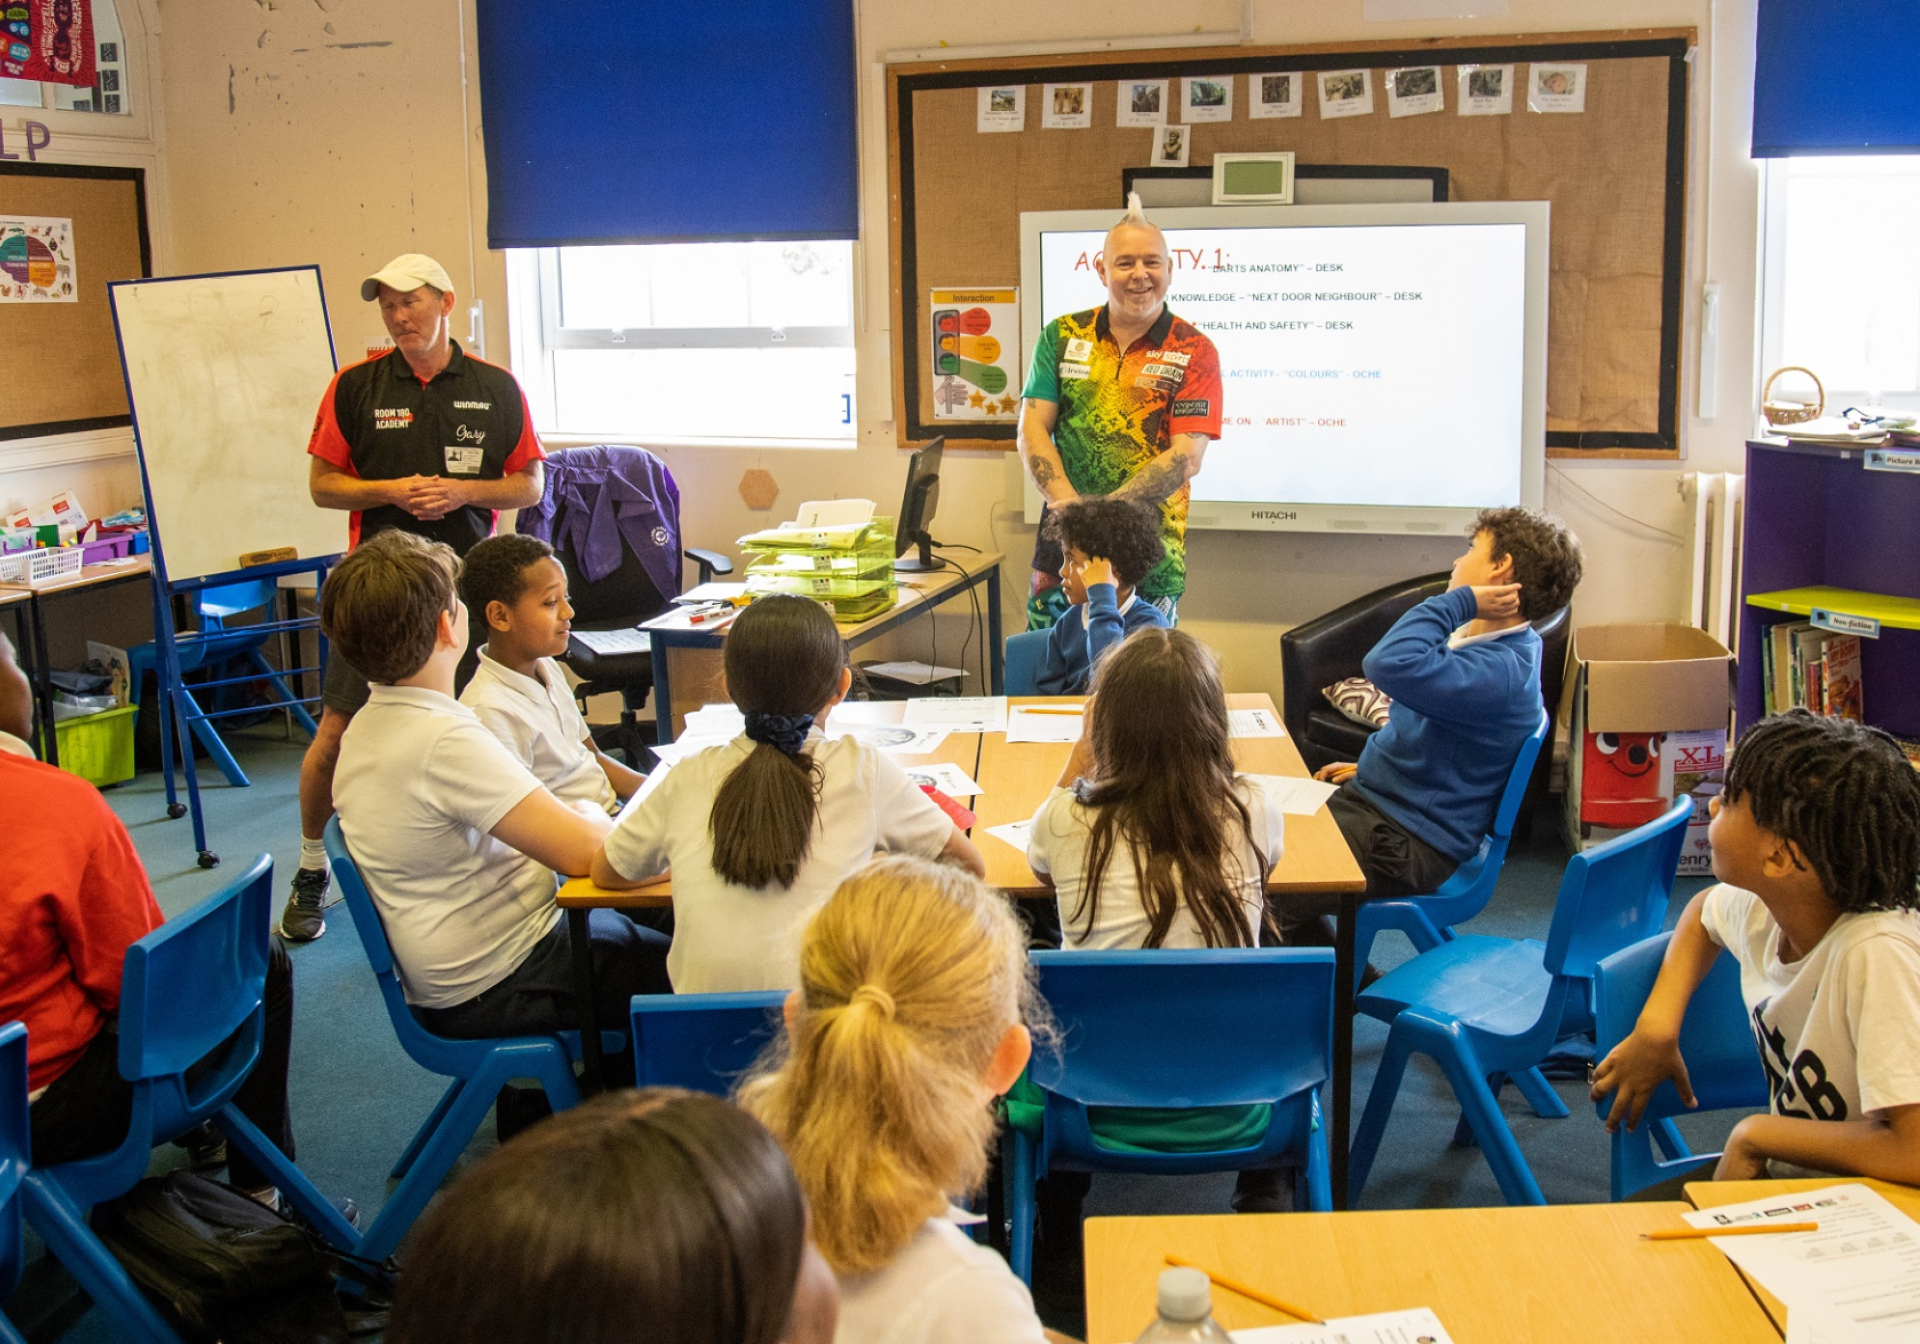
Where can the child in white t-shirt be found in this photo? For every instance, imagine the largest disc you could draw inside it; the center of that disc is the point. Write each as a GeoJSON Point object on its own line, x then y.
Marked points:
{"type": "Point", "coordinates": [1816, 843]}
{"type": "Point", "coordinates": [757, 833]}
{"type": "Point", "coordinates": [456, 840]}
{"type": "Point", "coordinates": [518, 691]}
{"type": "Point", "coordinates": [907, 1022]}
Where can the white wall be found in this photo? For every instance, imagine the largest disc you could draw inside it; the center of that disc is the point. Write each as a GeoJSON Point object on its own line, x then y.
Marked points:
{"type": "Point", "coordinates": [346, 131]}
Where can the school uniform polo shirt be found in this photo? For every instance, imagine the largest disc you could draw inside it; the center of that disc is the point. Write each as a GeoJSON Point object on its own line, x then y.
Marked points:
{"type": "Point", "coordinates": [1120, 409]}
{"type": "Point", "coordinates": [379, 422]}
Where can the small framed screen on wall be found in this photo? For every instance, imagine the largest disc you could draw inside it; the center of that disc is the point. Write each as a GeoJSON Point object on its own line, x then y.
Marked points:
{"type": "Point", "coordinates": [1253, 179]}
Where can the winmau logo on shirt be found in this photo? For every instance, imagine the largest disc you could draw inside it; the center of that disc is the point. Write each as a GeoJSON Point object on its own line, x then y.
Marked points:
{"type": "Point", "coordinates": [395, 418]}
{"type": "Point", "coordinates": [472, 405]}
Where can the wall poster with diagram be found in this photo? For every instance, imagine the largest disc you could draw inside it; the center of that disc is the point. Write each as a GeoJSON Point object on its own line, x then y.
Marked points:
{"type": "Point", "coordinates": [36, 260]}
{"type": "Point", "coordinates": [975, 345]}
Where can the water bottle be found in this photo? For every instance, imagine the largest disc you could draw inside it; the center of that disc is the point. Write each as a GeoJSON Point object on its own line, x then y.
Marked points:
{"type": "Point", "coordinates": [1186, 1311]}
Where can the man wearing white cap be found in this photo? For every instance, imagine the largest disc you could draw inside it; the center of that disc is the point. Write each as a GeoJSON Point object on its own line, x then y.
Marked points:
{"type": "Point", "coordinates": [427, 439]}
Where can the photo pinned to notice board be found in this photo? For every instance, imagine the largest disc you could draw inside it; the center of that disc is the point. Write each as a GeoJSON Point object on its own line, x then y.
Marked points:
{"type": "Point", "coordinates": [1171, 145]}
{"type": "Point", "coordinates": [1275, 95]}
{"type": "Point", "coordinates": [1486, 90]}
{"type": "Point", "coordinates": [1066, 107]}
{"type": "Point", "coordinates": [1003, 107]}
{"type": "Point", "coordinates": [37, 260]}
{"type": "Point", "coordinates": [1557, 88]}
{"type": "Point", "coordinates": [1414, 91]}
{"type": "Point", "coordinates": [975, 347]}
{"type": "Point", "coordinates": [1206, 98]}
{"type": "Point", "coordinates": [1141, 102]}
{"type": "Point", "coordinates": [1345, 93]}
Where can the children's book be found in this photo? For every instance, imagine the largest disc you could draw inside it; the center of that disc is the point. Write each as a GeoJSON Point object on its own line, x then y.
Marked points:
{"type": "Point", "coordinates": [1844, 691]}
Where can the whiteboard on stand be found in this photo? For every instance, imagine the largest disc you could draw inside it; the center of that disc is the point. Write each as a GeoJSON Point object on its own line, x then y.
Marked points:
{"type": "Point", "coordinates": [224, 373]}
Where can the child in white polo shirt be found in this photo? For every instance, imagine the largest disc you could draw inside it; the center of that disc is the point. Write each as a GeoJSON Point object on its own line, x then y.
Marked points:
{"type": "Point", "coordinates": [457, 841]}
{"type": "Point", "coordinates": [1816, 843]}
{"type": "Point", "coordinates": [514, 584]}
{"type": "Point", "coordinates": [758, 832]}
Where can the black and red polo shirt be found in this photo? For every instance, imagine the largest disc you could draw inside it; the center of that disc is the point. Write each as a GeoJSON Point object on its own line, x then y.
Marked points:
{"type": "Point", "coordinates": [379, 422]}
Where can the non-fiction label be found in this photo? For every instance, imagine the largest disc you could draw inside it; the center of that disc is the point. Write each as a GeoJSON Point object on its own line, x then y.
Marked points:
{"type": "Point", "coordinates": [1843, 624]}
{"type": "Point", "coordinates": [1893, 459]}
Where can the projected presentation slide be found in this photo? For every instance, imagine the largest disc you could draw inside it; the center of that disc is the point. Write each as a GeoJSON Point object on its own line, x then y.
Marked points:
{"type": "Point", "coordinates": [1371, 365]}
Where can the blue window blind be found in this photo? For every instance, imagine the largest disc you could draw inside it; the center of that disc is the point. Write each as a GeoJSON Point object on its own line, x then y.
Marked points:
{"type": "Point", "coordinates": [632, 121]}
{"type": "Point", "coordinates": [1832, 78]}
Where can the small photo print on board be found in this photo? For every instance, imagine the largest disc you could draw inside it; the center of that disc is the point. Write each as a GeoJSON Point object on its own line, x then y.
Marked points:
{"type": "Point", "coordinates": [1142, 102]}
{"type": "Point", "coordinates": [1345, 93]}
{"type": "Point", "coordinates": [1171, 145]}
{"type": "Point", "coordinates": [1066, 107]}
{"type": "Point", "coordinates": [1486, 90]}
{"type": "Point", "coordinates": [1003, 107]}
{"type": "Point", "coordinates": [1275, 95]}
{"type": "Point", "coordinates": [1413, 91]}
{"type": "Point", "coordinates": [1207, 99]}
{"type": "Point", "coordinates": [1557, 88]}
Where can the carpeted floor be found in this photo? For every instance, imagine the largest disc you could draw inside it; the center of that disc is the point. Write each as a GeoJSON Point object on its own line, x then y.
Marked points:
{"type": "Point", "coordinates": [357, 1099]}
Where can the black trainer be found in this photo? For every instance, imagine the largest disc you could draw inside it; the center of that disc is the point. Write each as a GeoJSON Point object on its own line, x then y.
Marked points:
{"type": "Point", "coordinates": [301, 921]}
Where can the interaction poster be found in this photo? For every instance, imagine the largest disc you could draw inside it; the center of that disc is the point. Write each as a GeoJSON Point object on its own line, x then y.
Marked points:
{"type": "Point", "coordinates": [36, 260]}
{"type": "Point", "coordinates": [976, 354]}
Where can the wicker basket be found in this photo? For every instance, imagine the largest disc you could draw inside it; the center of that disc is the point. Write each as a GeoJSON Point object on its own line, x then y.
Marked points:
{"type": "Point", "coordinates": [1779, 413]}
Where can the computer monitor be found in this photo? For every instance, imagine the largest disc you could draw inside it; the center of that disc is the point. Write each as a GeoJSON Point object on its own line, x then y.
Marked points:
{"type": "Point", "coordinates": [917, 509]}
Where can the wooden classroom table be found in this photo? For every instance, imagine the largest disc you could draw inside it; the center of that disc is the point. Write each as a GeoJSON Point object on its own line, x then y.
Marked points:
{"type": "Point", "coordinates": [579, 895]}
{"type": "Point", "coordinates": [686, 659]}
{"type": "Point", "coordinates": [1525, 1275]}
{"type": "Point", "coordinates": [1713, 1194]}
{"type": "Point", "coordinates": [1015, 778]}
{"type": "Point", "coordinates": [30, 624]}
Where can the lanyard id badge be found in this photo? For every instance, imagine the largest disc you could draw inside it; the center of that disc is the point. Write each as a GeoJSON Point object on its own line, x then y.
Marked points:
{"type": "Point", "coordinates": [464, 459]}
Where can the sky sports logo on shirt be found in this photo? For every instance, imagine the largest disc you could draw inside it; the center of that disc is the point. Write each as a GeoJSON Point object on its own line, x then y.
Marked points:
{"type": "Point", "coordinates": [395, 418]}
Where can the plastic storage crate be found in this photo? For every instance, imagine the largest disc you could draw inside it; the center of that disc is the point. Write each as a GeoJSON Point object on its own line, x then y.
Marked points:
{"type": "Point", "coordinates": [98, 747]}
{"type": "Point", "coordinates": [850, 572]}
{"type": "Point", "coordinates": [34, 568]}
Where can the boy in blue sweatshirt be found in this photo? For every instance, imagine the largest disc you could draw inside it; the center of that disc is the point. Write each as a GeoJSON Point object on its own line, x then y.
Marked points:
{"type": "Point", "coordinates": [1463, 670]}
{"type": "Point", "coordinates": [1109, 546]}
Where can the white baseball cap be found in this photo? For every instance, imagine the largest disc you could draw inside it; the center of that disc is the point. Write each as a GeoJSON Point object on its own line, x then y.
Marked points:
{"type": "Point", "coordinates": [406, 272]}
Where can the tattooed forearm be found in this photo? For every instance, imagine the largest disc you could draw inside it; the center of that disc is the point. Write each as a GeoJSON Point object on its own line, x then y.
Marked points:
{"type": "Point", "coordinates": [1043, 473]}
{"type": "Point", "coordinates": [1158, 479]}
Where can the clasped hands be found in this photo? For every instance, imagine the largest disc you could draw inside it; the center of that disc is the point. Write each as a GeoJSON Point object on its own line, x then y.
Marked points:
{"type": "Point", "coordinates": [428, 497]}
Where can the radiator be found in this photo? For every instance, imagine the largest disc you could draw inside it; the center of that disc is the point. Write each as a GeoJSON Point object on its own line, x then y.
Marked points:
{"type": "Point", "coordinates": [1716, 501]}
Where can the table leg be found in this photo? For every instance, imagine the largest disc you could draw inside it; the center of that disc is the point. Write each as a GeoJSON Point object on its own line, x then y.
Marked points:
{"type": "Point", "coordinates": [43, 682]}
{"type": "Point", "coordinates": [580, 936]}
{"type": "Point", "coordinates": [1343, 957]}
{"type": "Point", "coordinates": [662, 689]}
{"type": "Point", "coordinates": [996, 643]}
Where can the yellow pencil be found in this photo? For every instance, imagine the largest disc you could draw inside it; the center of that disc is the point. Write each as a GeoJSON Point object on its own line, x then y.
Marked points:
{"type": "Point", "coordinates": [1050, 709]}
{"type": "Point", "coordinates": [1235, 1286]}
{"type": "Point", "coordinates": [1747, 1230]}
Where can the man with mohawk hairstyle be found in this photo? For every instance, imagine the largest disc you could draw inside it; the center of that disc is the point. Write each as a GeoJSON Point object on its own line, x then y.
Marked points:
{"type": "Point", "coordinates": [1121, 401]}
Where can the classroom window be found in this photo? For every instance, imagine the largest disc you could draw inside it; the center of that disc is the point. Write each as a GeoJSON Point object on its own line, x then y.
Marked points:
{"type": "Point", "coordinates": [109, 92]}
{"type": "Point", "coordinates": [688, 342]}
{"type": "Point", "coordinates": [1840, 290]}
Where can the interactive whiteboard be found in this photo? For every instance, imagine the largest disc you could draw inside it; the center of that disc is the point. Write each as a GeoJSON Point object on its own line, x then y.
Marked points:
{"type": "Point", "coordinates": [224, 373]}
{"type": "Point", "coordinates": [1383, 368]}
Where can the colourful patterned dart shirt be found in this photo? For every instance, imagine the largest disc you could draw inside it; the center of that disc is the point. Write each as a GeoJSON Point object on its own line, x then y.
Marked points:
{"type": "Point", "coordinates": [1118, 411]}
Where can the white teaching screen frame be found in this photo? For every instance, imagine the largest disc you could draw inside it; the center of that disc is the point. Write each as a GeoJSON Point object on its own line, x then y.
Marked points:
{"type": "Point", "coordinates": [1281, 515]}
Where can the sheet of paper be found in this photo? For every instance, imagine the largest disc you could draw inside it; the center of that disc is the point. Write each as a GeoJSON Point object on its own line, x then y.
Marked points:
{"type": "Point", "coordinates": [1014, 833]}
{"type": "Point", "coordinates": [1297, 797]}
{"type": "Point", "coordinates": [711, 592]}
{"type": "Point", "coordinates": [898, 739]}
{"type": "Point", "coordinates": [654, 778]}
{"type": "Point", "coordinates": [1857, 1278]}
{"type": "Point", "coordinates": [949, 779]}
{"type": "Point", "coordinates": [849, 712]}
{"type": "Point", "coordinates": [959, 713]}
{"type": "Point", "coordinates": [716, 720]}
{"type": "Point", "coordinates": [614, 641]}
{"type": "Point", "coordinates": [834, 513]}
{"type": "Point", "coordinates": [1254, 723]}
{"type": "Point", "coordinates": [702, 619]}
{"type": "Point", "coordinates": [1418, 1326]}
{"type": "Point", "coordinates": [917, 673]}
{"type": "Point", "coordinates": [1032, 723]}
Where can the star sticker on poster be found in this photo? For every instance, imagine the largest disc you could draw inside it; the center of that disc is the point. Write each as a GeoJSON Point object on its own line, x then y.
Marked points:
{"type": "Point", "coordinates": [977, 400]}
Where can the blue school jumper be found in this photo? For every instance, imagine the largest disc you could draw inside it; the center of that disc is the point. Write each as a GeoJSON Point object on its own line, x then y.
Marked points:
{"type": "Point", "coordinates": [1080, 637]}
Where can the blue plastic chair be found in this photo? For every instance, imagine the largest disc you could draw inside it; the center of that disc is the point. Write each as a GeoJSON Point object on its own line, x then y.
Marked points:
{"type": "Point", "coordinates": [1716, 1040]}
{"type": "Point", "coordinates": [1174, 1030]}
{"type": "Point", "coordinates": [184, 989]}
{"type": "Point", "coordinates": [213, 642]}
{"type": "Point", "coordinates": [479, 1069]}
{"type": "Point", "coordinates": [704, 1042]}
{"type": "Point", "coordinates": [1489, 1008]}
{"type": "Point", "coordinates": [13, 1163]}
{"type": "Point", "coordinates": [1025, 654]}
{"type": "Point", "coordinates": [1428, 920]}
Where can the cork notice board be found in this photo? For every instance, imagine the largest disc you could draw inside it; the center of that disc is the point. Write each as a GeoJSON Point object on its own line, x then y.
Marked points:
{"type": "Point", "coordinates": [66, 352]}
{"type": "Point", "coordinates": [1615, 175]}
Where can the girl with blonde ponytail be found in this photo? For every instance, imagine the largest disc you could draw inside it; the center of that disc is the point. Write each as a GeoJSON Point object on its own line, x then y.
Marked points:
{"type": "Point", "coordinates": [907, 1024]}
{"type": "Point", "coordinates": [758, 832]}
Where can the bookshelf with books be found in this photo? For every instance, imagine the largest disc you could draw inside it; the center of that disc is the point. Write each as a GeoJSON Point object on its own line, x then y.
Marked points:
{"type": "Point", "coordinates": [1830, 585]}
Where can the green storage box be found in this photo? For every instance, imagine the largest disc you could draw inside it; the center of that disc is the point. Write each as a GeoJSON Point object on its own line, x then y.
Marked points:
{"type": "Point", "coordinates": [98, 747]}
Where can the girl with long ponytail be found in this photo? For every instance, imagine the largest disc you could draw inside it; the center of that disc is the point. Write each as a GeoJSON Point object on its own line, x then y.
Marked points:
{"type": "Point", "coordinates": [758, 832]}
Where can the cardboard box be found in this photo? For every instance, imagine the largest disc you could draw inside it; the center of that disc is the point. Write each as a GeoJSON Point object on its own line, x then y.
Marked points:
{"type": "Point", "coordinates": [1646, 713]}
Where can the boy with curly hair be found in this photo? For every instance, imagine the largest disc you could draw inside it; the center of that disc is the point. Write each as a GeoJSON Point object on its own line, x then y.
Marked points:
{"type": "Point", "coordinates": [1109, 545]}
{"type": "Point", "coordinates": [1816, 842]}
